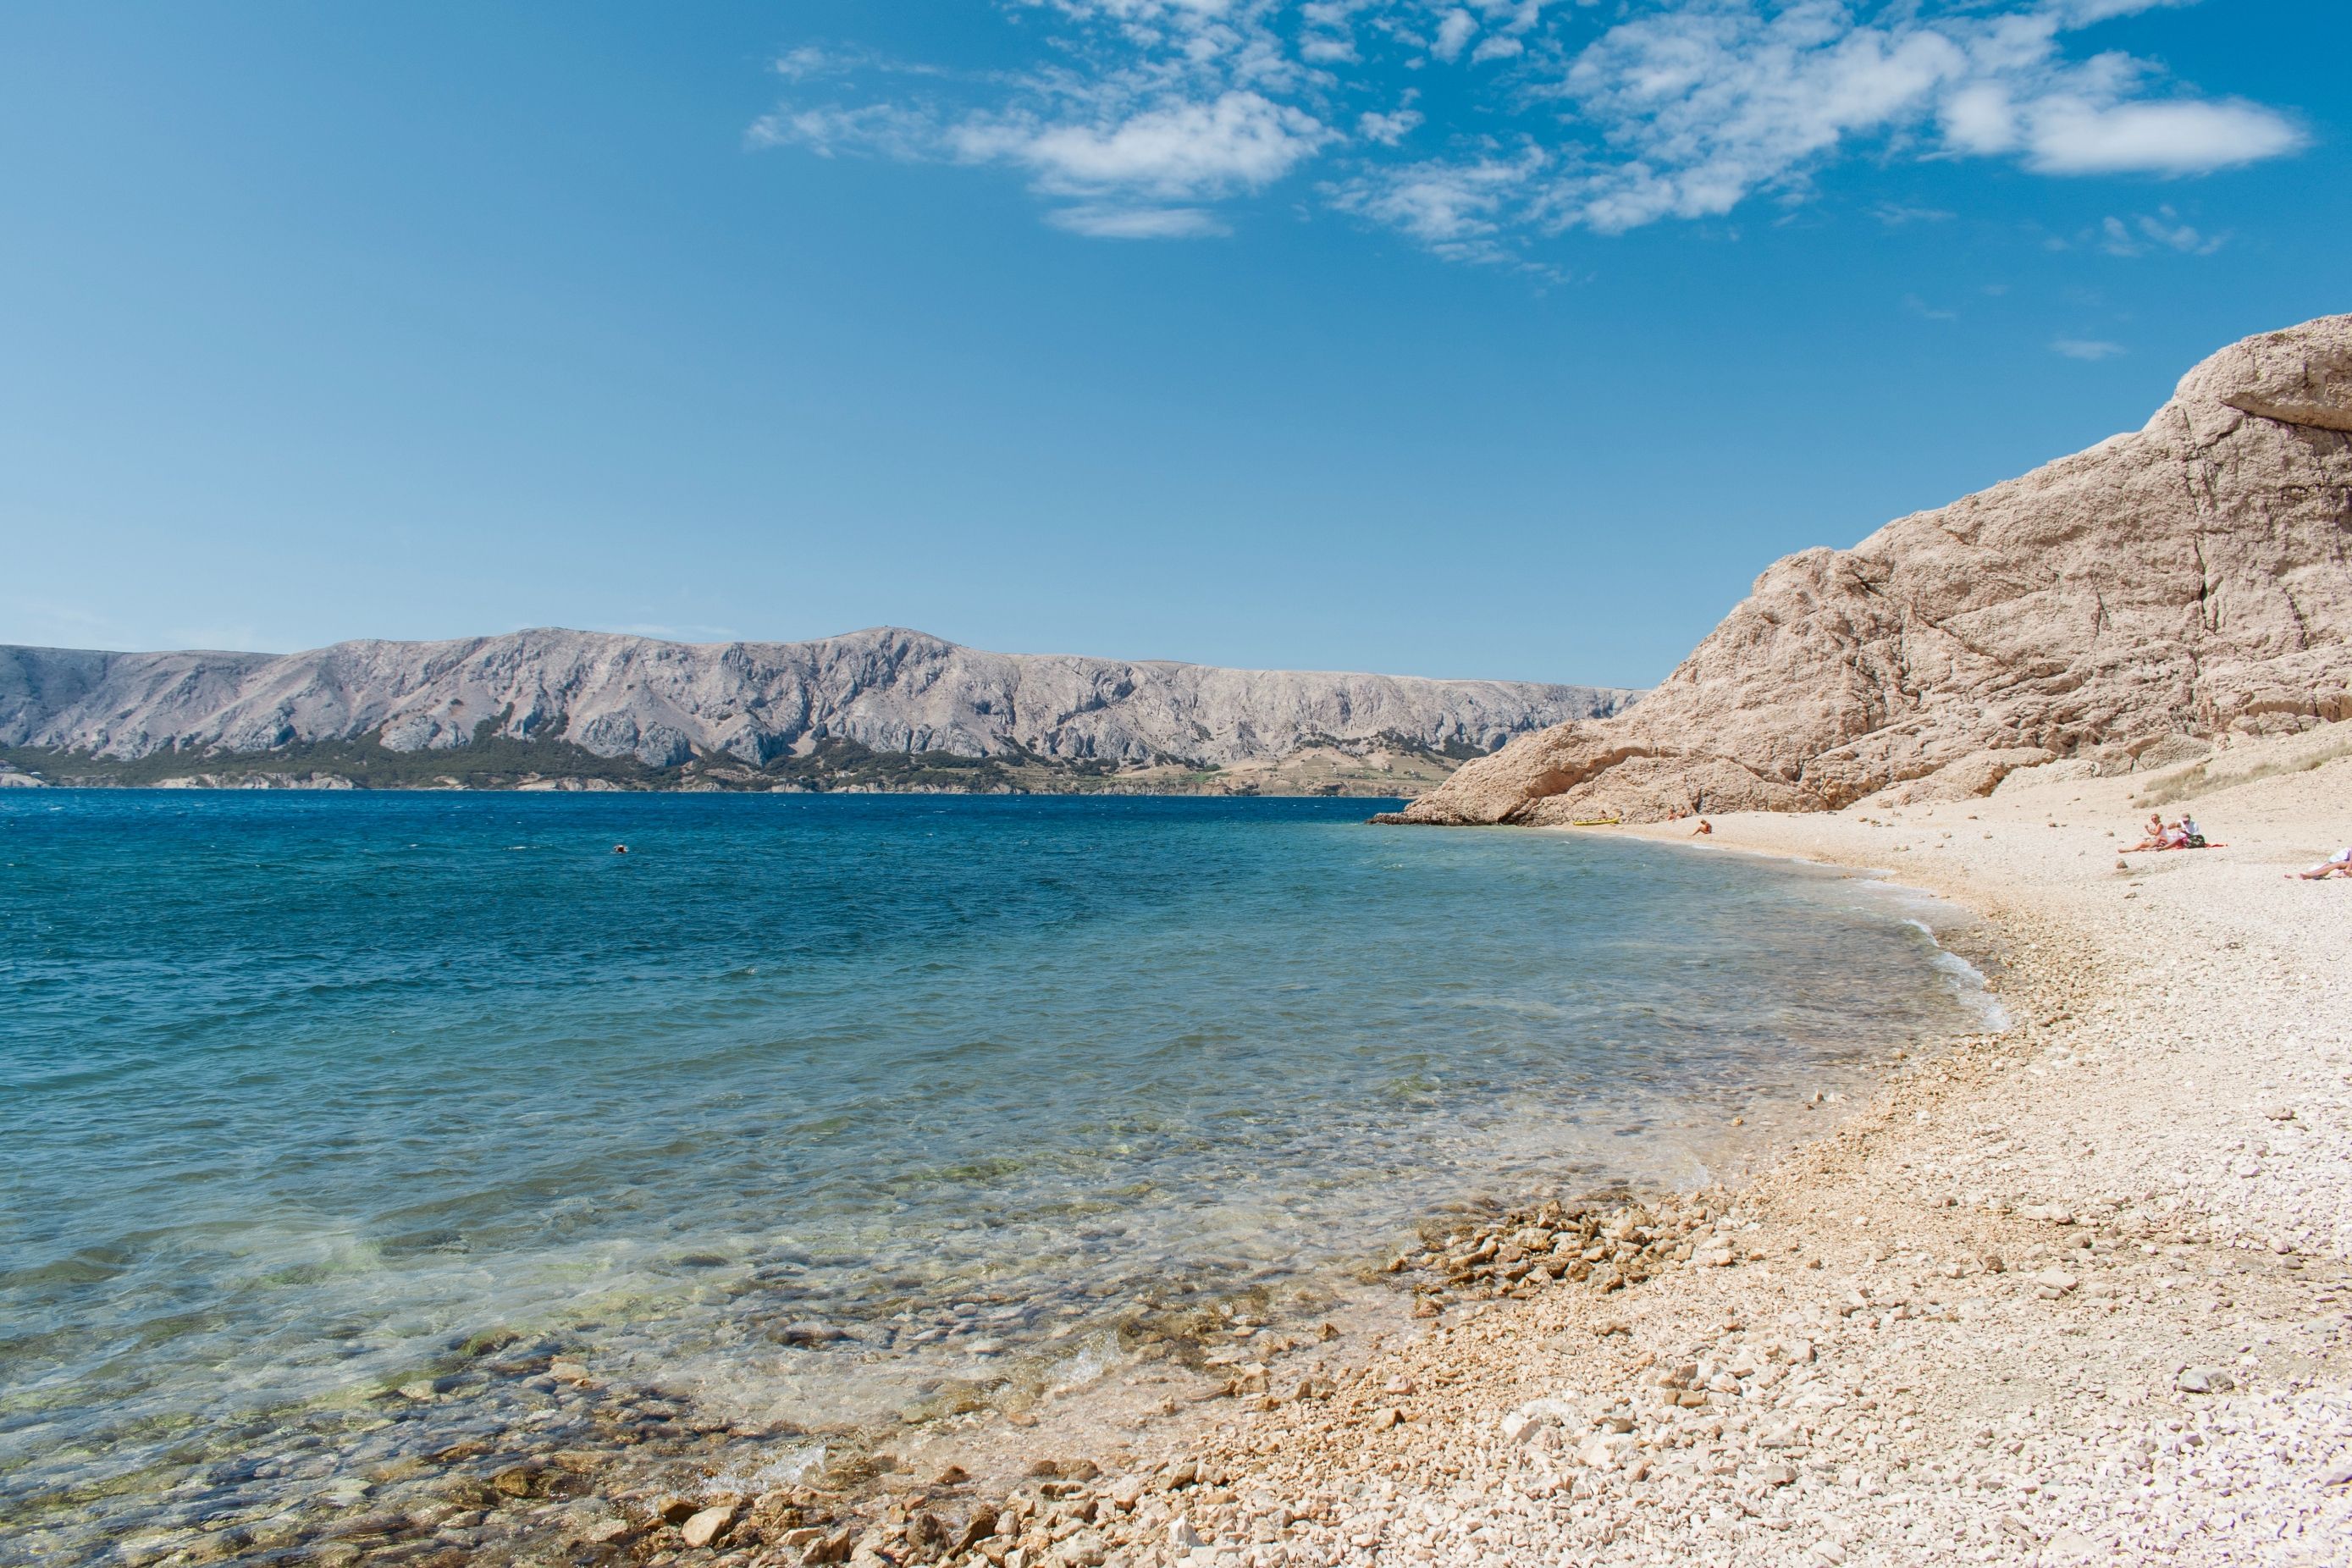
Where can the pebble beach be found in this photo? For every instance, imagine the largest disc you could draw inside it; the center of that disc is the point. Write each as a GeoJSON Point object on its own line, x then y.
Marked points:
{"type": "Point", "coordinates": [2071, 1290]}
{"type": "Point", "coordinates": [2071, 1293]}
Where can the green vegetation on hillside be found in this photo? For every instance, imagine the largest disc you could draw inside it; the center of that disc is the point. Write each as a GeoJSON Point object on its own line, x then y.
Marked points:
{"type": "Point", "coordinates": [492, 760]}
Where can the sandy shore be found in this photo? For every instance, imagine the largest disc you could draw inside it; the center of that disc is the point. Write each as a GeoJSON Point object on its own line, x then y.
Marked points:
{"type": "Point", "coordinates": [2073, 1292]}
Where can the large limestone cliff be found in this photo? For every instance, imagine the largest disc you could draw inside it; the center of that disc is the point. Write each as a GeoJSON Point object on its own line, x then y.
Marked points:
{"type": "Point", "coordinates": [664, 705]}
{"type": "Point", "coordinates": [2124, 605]}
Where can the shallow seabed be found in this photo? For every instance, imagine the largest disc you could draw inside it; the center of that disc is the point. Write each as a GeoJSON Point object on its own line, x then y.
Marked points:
{"type": "Point", "coordinates": [334, 1118]}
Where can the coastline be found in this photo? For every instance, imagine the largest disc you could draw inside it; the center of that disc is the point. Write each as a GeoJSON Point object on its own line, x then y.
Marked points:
{"type": "Point", "coordinates": [1940, 1332]}
{"type": "Point", "coordinates": [2070, 1292]}
{"type": "Point", "coordinates": [653, 1371]}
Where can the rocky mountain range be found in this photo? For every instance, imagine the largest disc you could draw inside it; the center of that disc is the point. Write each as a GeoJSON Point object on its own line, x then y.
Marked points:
{"type": "Point", "coordinates": [2133, 605]}
{"type": "Point", "coordinates": [883, 708]}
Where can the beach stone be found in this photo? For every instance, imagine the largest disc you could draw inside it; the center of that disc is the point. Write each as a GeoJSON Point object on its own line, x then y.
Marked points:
{"type": "Point", "coordinates": [809, 1332]}
{"type": "Point", "coordinates": [833, 1548]}
{"type": "Point", "coordinates": [709, 1525]}
{"type": "Point", "coordinates": [516, 1481]}
{"type": "Point", "coordinates": [1087, 1549]}
{"type": "Point", "coordinates": [1522, 1425]}
{"type": "Point", "coordinates": [2204, 1380]}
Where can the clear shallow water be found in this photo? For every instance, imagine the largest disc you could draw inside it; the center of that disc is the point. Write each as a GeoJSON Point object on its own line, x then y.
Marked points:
{"type": "Point", "coordinates": [826, 1106]}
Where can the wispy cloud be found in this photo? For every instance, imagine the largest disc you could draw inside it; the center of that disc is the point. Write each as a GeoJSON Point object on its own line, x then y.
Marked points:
{"type": "Point", "coordinates": [1561, 113]}
{"type": "Point", "coordinates": [2086, 348]}
{"type": "Point", "coordinates": [1138, 223]}
{"type": "Point", "coordinates": [1454, 206]}
{"type": "Point", "coordinates": [1895, 216]}
{"type": "Point", "coordinates": [2160, 230]}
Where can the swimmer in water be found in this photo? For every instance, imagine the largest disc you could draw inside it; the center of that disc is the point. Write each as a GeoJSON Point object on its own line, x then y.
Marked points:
{"type": "Point", "coordinates": [620, 850]}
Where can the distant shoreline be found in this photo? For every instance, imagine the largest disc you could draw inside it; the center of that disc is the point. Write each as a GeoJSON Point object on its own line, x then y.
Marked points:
{"type": "Point", "coordinates": [275, 782]}
{"type": "Point", "coordinates": [498, 763]}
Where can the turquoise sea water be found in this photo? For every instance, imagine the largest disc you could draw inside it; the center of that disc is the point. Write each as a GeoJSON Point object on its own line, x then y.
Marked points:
{"type": "Point", "coordinates": [812, 1106]}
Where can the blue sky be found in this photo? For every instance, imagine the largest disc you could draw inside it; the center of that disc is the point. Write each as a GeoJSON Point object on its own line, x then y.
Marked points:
{"type": "Point", "coordinates": [1501, 338]}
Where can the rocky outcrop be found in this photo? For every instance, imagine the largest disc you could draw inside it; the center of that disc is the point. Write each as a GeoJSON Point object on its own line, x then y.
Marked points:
{"type": "Point", "coordinates": [2135, 601]}
{"type": "Point", "coordinates": [665, 703]}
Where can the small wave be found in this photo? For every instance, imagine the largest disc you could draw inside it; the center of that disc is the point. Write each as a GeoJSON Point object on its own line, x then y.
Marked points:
{"type": "Point", "coordinates": [1098, 1354]}
{"type": "Point", "coordinates": [784, 1470]}
{"type": "Point", "coordinates": [1968, 982]}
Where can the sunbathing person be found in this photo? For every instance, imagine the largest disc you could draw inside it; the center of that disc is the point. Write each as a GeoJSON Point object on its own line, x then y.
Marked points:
{"type": "Point", "coordinates": [2336, 865]}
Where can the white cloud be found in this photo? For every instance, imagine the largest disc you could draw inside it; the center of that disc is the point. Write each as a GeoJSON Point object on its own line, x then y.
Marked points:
{"type": "Point", "coordinates": [1389, 128]}
{"type": "Point", "coordinates": [1452, 33]}
{"type": "Point", "coordinates": [2092, 349]}
{"type": "Point", "coordinates": [1638, 112]}
{"type": "Point", "coordinates": [2083, 13]}
{"type": "Point", "coordinates": [1241, 141]}
{"type": "Point", "coordinates": [2068, 136]}
{"type": "Point", "coordinates": [1708, 102]}
{"type": "Point", "coordinates": [806, 61]}
{"type": "Point", "coordinates": [1138, 223]}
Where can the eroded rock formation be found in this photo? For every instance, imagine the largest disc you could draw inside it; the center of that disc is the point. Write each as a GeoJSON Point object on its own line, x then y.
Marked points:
{"type": "Point", "coordinates": [2126, 604]}
{"type": "Point", "coordinates": [663, 703]}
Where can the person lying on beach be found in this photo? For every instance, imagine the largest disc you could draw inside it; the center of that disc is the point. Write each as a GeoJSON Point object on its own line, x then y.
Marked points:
{"type": "Point", "coordinates": [2336, 865]}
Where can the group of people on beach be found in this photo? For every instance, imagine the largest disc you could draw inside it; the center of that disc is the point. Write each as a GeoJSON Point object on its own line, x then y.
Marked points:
{"type": "Point", "coordinates": [2163, 835]}
{"type": "Point", "coordinates": [2184, 835]}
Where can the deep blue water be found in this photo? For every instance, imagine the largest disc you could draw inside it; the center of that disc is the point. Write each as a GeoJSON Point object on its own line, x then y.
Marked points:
{"type": "Point", "coordinates": [301, 1088]}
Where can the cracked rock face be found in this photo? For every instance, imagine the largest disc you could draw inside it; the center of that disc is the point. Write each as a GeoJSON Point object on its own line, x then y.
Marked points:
{"type": "Point", "coordinates": [662, 702]}
{"type": "Point", "coordinates": [2126, 604]}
